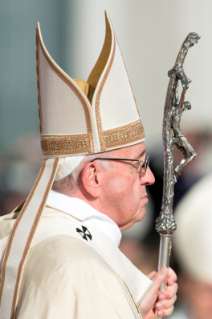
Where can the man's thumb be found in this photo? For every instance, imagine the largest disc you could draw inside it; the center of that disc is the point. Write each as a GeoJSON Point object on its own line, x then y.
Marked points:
{"type": "Point", "coordinates": [160, 276]}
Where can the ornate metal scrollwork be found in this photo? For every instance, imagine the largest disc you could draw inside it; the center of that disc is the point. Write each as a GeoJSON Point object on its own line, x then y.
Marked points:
{"type": "Point", "coordinates": [172, 135]}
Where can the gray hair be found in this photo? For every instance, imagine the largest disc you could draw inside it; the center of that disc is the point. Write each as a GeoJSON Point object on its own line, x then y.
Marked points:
{"type": "Point", "coordinates": [71, 181]}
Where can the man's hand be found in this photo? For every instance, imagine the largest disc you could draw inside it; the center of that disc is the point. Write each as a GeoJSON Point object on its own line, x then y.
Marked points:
{"type": "Point", "coordinates": [160, 303]}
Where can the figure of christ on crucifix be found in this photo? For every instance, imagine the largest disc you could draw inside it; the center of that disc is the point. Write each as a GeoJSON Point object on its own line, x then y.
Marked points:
{"type": "Point", "coordinates": [179, 139]}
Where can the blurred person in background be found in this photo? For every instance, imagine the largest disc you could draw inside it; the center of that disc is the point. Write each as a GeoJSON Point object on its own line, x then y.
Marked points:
{"type": "Point", "coordinates": [193, 251]}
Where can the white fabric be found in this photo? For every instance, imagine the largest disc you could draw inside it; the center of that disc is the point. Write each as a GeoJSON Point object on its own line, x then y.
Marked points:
{"type": "Point", "coordinates": [62, 111]}
{"type": "Point", "coordinates": [81, 210]}
{"type": "Point", "coordinates": [192, 240]}
{"type": "Point", "coordinates": [117, 106]}
{"type": "Point", "coordinates": [136, 281]}
{"type": "Point", "coordinates": [67, 165]}
{"type": "Point", "coordinates": [89, 265]}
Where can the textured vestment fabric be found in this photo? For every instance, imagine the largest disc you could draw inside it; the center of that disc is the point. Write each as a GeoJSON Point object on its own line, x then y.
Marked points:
{"type": "Point", "coordinates": [68, 276]}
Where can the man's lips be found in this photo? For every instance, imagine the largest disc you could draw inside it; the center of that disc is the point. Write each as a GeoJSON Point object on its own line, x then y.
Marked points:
{"type": "Point", "coordinates": [144, 200]}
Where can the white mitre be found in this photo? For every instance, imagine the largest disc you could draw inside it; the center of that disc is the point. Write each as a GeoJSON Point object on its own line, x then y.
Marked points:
{"type": "Point", "coordinates": [192, 240]}
{"type": "Point", "coordinates": [77, 118]}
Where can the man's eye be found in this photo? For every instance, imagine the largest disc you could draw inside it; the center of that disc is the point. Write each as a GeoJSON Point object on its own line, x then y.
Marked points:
{"type": "Point", "coordinates": [137, 166]}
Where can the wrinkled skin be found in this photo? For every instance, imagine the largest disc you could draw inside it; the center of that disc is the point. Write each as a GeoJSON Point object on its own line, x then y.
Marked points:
{"type": "Point", "coordinates": [120, 193]}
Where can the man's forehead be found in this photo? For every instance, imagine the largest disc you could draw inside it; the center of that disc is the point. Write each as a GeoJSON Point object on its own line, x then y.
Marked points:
{"type": "Point", "coordinates": [133, 151]}
{"type": "Point", "coordinates": [141, 150]}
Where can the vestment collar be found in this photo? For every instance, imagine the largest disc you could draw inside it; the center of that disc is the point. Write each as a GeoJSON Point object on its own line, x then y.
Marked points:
{"type": "Point", "coordinates": [84, 212]}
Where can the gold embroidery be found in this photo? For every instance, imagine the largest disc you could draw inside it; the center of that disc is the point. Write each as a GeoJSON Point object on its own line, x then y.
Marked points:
{"type": "Point", "coordinates": [65, 144]}
{"type": "Point", "coordinates": [103, 57]}
{"type": "Point", "coordinates": [125, 134]}
{"type": "Point", "coordinates": [54, 145]}
{"type": "Point", "coordinates": [122, 135]}
{"type": "Point", "coordinates": [67, 80]}
{"type": "Point", "coordinates": [16, 226]}
{"type": "Point", "coordinates": [32, 232]}
{"type": "Point", "coordinates": [68, 145]}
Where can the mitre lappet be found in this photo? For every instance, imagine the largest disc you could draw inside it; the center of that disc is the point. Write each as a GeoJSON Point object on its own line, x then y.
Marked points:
{"type": "Point", "coordinates": [77, 118]}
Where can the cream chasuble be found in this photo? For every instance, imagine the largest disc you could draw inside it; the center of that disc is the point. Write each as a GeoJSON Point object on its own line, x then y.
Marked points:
{"type": "Point", "coordinates": [75, 271]}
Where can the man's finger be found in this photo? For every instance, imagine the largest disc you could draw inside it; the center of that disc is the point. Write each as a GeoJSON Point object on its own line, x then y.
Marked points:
{"type": "Point", "coordinates": [165, 304]}
{"type": "Point", "coordinates": [159, 278]}
{"type": "Point", "coordinates": [165, 312]}
{"type": "Point", "coordinates": [151, 274]}
{"type": "Point", "coordinates": [172, 277]}
{"type": "Point", "coordinates": [169, 292]}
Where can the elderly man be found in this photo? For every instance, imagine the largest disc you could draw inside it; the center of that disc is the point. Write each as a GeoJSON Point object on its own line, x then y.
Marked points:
{"type": "Point", "coordinates": [60, 256]}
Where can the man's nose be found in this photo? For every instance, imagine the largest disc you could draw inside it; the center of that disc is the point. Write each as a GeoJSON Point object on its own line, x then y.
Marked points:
{"type": "Point", "coordinates": [148, 178]}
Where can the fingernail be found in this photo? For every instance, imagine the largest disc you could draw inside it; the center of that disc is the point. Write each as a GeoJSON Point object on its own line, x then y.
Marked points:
{"type": "Point", "coordinates": [162, 297]}
{"type": "Point", "coordinates": [160, 313]}
{"type": "Point", "coordinates": [159, 305]}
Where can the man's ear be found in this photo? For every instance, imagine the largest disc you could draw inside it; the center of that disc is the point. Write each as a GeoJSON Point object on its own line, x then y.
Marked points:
{"type": "Point", "coordinates": [91, 178]}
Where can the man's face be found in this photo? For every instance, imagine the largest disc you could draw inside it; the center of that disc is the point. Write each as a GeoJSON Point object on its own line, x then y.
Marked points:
{"type": "Point", "coordinates": [125, 196]}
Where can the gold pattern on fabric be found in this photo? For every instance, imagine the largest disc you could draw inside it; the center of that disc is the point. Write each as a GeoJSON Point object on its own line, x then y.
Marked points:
{"type": "Point", "coordinates": [68, 81]}
{"type": "Point", "coordinates": [7, 252]}
{"type": "Point", "coordinates": [125, 134]}
{"type": "Point", "coordinates": [103, 57]}
{"type": "Point", "coordinates": [65, 144]}
{"type": "Point", "coordinates": [32, 232]}
{"type": "Point", "coordinates": [131, 297]}
{"type": "Point", "coordinates": [98, 116]}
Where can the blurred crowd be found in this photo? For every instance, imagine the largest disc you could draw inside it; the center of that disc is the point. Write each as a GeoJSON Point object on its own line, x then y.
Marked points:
{"type": "Point", "coordinates": [19, 166]}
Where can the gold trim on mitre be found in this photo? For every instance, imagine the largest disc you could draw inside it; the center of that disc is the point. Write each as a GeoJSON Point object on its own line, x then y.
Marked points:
{"type": "Point", "coordinates": [104, 55]}
{"type": "Point", "coordinates": [100, 73]}
{"type": "Point", "coordinates": [126, 134]}
{"type": "Point", "coordinates": [81, 94]}
{"type": "Point", "coordinates": [65, 144]}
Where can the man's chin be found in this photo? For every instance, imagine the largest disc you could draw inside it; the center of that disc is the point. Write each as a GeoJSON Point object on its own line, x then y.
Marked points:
{"type": "Point", "coordinates": [137, 218]}
{"type": "Point", "coordinates": [141, 214]}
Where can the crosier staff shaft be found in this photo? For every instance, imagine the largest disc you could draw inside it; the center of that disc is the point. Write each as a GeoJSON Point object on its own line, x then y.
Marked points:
{"type": "Point", "coordinates": [172, 135]}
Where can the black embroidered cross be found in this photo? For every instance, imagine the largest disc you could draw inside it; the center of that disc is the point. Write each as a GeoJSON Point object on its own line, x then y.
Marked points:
{"type": "Point", "coordinates": [84, 233]}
